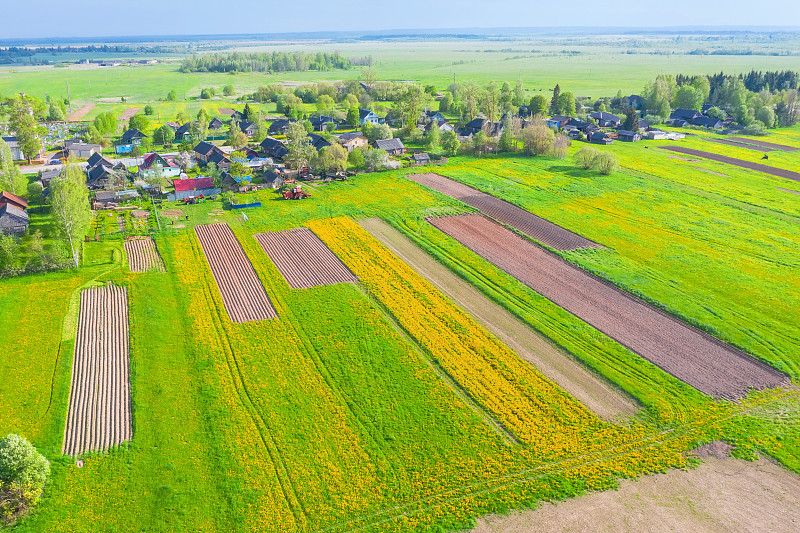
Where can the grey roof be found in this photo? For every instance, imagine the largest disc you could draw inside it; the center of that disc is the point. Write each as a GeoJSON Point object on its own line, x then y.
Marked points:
{"type": "Point", "coordinates": [13, 219]}
{"type": "Point", "coordinates": [685, 114]}
{"type": "Point", "coordinates": [707, 122]}
{"type": "Point", "coordinates": [389, 144]}
{"type": "Point", "coordinates": [318, 141]}
{"type": "Point", "coordinates": [132, 134]}
{"type": "Point", "coordinates": [626, 133]}
{"type": "Point", "coordinates": [364, 113]}
{"type": "Point", "coordinates": [97, 172]}
{"type": "Point", "coordinates": [183, 130]}
{"type": "Point", "coordinates": [105, 196]}
{"type": "Point", "coordinates": [602, 115]}
{"type": "Point", "coordinates": [350, 135]}
{"type": "Point", "coordinates": [203, 147]}
{"type": "Point", "coordinates": [96, 159]}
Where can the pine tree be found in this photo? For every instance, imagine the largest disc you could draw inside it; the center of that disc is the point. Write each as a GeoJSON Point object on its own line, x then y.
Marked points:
{"type": "Point", "coordinates": [554, 104]}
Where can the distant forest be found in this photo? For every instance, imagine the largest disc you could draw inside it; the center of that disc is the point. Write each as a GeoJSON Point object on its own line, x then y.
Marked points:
{"type": "Point", "coordinates": [755, 81]}
{"type": "Point", "coordinates": [266, 62]}
{"type": "Point", "coordinates": [16, 54]}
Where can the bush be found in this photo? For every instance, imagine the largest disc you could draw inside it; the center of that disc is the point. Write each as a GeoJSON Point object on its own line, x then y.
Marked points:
{"type": "Point", "coordinates": [584, 157]}
{"type": "Point", "coordinates": [606, 163]}
{"type": "Point", "coordinates": [148, 110]}
{"type": "Point", "coordinates": [207, 94]}
{"type": "Point", "coordinates": [755, 128]}
{"type": "Point", "coordinates": [23, 474]}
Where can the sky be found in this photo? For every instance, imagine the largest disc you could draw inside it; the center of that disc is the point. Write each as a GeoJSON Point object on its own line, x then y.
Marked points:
{"type": "Point", "coordinates": [96, 18]}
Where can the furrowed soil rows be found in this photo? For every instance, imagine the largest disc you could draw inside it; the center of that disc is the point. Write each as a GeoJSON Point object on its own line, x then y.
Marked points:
{"type": "Point", "coordinates": [99, 414]}
{"type": "Point", "coordinates": [788, 174]}
{"type": "Point", "coordinates": [764, 144]}
{"type": "Point", "coordinates": [303, 259]}
{"type": "Point", "coordinates": [242, 293]}
{"type": "Point", "coordinates": [143, 255]}
{"type": "Point", "coordinates": [690, 355]}
{"type": "Point", "coordinates": [531, 225]}
{"type": "Point", "coordinates": [753, 147]}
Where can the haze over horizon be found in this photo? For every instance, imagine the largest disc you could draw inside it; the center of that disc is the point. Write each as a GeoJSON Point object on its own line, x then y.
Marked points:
{"type": "Point", "coordinates": [96, 18]}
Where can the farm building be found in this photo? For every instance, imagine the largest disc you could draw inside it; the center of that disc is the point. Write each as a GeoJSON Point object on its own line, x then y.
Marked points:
{"type": "Point", "coordinates": [656, 135]}
{"type": "Point", "coordinates": [13, 220]}
{"type": "Point", "coordinates": [391, 146]}
{"type": "Point", "coordinates": [7, 198]}
{"type": "Point", "coordinates": [103, 199]}
{"type": "Point", "coordinates": [82, 150]}
{"type": "Point", "coordinates": [47, 175]}
{"type": "Point", "coordinates": [273, 148]}
{"type": "Point", "coordinates": [708, 122]}
{"type": "Point", "coordinates": [193, 187]}
{"type": "Point", "coordinates": [352, 140]}
{"type": "Point", "coordinates": [231, 182]}
{"type": "Point", "coordinates": [606, 120]}
{"type": "Point", "coordinates": [156, 165]}
{"type": "Point", "coordinates": [558, 121]}
{"type": "Point", "coordinates": [273, 179]}
{"type": "Point", "coordinates": [629, 136]}
{"type": "Point", "coordinates": [598, 137]}
{"type": "Point", "coordinates": [365, 115]}
{"type": "Point", "coordinates": [420, 159]}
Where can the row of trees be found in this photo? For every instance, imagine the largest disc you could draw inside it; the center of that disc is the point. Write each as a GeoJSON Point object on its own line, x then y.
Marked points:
{"type": "Point", "coordinates": [265, 62]}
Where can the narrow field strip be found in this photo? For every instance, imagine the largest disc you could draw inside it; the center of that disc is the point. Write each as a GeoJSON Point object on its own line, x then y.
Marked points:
{"type": "Point", "coordinates": [753, 147]}
{"type": "Point", "coordinates": [764, 144]}
{"type": "Point", "coordinates": [788, 174]}
{"type": "Point", "coordinates": [143, 255]}
{"type": "Point", "coordinates": [99, 414]}
{"type": "Point", "coordinates": [531, 225]}
{"type": "Point", "coordinates": [600, 397]}
{"type": "Point", "coordinates": [788, 190]}
{"type": "Point", "coordinates": [75, 116]}
{"type": "Point", "coordinates": [242, 293]}
{"type": "Point", "coordinates": [303, 260]}
{"type": "Point", "coordinates": [690, 355]}
{"type": "Point", "coordinates": [128, 113]}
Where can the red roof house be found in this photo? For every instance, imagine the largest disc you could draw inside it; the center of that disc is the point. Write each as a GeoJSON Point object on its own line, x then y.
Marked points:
{"type": "Point", "coordinates": [193, 184]}
{"type": "Point", "coordinates": [13, 199]}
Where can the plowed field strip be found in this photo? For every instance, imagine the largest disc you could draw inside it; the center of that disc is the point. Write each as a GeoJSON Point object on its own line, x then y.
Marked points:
{"type": "Point", "coordinates": [788, 190]}
{"type": "Point", "coordinates": [242, 293]}
{"type": "Point", "coordinates": [99, 414]}
{"type": "Point", "coordinates": [128, 113]}
{"type": "Point", "coordinates": [143, 255]}
{"type": "Point", "coordinates": [764, 144]}
{"type": "Point", "coordinates": [741, 145]}
{"type": "Point", "coordinates": [75, 116]}
{"type": "Point", "coordinates": [593, 392]}
{"type": "Point", "coordinates": [690, 355]}
{"type": "Point", "coordinates": [303, 259]}
{"type": "Point", "coordinates": [531, 225]}
{"type": "Point", "coordinates": [788, 174]}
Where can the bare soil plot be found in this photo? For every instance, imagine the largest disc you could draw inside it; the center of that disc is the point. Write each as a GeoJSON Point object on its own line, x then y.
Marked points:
{"type": "Point", "coordinates": [128, 113]}
{"type": "Point", "coordinates": [242, 293]}
{"type": "Point", "coordinates": [226, 111]}
{"type": "Point", "coordinates": [690, 355]}
{"type": "Point", "coordinates": [731, 142]}
{"type": "Point", "coordinates": [171, 213]}
{"type": "Point", "coordinates": [303, 259]}
{"type": "Point", "coordinates": [75, 116]}
{"type": "Point", "coordinates": [531, 225]}
{"type": "Point", "coordinates": [139, 213]}
{"type": "Point", "coordinates": [99, 414]}
{"type": "Point", "coordinates": [788, 174]}
{"type": "Point", "coordinates": [764, 144]}
{"type": "Point", "coordinates": [711, 172]}
{"type": "Point", "coordinates": [143, 255]}
{"type": "Point", "coordinates": [597, 395]}
{"type": "Point", "coordinates": [727, 495]}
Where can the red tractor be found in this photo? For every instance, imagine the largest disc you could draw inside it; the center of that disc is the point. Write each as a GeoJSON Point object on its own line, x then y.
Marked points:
{"type": "Point", "coordinates": [296, 193]}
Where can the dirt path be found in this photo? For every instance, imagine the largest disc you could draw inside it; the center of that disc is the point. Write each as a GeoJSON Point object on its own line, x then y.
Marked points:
{"type": "Point", "coordinates": [788, 174]}
{"type": "Point", "coordinates": [764, 144]}
{"type": "Point", "coordinates": [75, 116]}
{"type": "Point", "coordinates": [694, 357]}
{"type": "Point", "coordinates": [788, 190]}
{"type": "Point", "coordinates": [128, 113]}
{"type": "Point", "coordinates": [303, 260]}
{"type": "Point", "coordinates": [535, 227]}
{"type": "Point", "coordinates": [727, 495]}
{"type": "Point", "coordinates": [753, 147]}
{"type": "Point", "coordinates": [600, 397]}
{"type": "Point", "coordinates": [99, 414]}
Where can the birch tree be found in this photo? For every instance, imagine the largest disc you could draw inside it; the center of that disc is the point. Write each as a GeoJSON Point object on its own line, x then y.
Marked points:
{"type": "Point", "coordinates": [70, 208]}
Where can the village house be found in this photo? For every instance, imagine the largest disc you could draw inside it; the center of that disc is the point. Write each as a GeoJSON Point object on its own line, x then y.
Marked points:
{"type": "Point", "coordinates": [321, 122]}
{"type": "Point", "coordinates": [365, 115]}
{"type": "Point", "coordinates": [248, 128]}
{"type": "Point", "coordinates": [392, 147]}
{"type": "Point", "coordinates": [133, 137]}
{"type": "Point", "coordinates": [442, 126]}
{"type": "Point", "coordinates": [420, 159]}
{"type": "Point", "coordinates": [598, 137]}
{"type": "Point", "coordinates": [430, 116]}
{"type": "Point", "coordinates": [98, 170]}
{"type": "Point", "coordinates": [215, 124]}
{"type": "Point", "coordinates": [206, 153]}
{"type": "Point", "coordinates": [156, 165]}
{"type": "Point", "coordinates": [557, 121]}
{"type": "Point", "coordinates": [708, 122]}
{"type": "Point", "coordinates": [606, 120]}
{"type": "Point", "coordinates": [231, 182]}
{"type": "Point", "coordinates": [184, 133]}
{"type": "Point", "coordinates": [7, 198]}
{"type": "Point", "coordinates": [684, 115]}
{"type": "Point", "coordinates": [629, 136]}
{"type": "Point", "coordinates": [352, 140]}
{"type": "Point", "coordinates": [82, 150]}
{"type": "Point", "coordinates": [193, 187]}
{"type": "Point", "coordinates": [273, 148]}
{"type": "Point", "coordinates": [13, 220]}
{"type": "Point", "coordinates": [279, 126]}
{"type": "Point", "coordinates": [318, 141]}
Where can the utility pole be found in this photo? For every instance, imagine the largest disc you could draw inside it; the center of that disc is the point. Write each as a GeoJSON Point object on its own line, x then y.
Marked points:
{"type": "Point", "coordinates": [69, 98]}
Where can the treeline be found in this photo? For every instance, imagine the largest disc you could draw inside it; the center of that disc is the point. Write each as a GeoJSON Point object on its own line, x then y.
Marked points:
{"type": "Point", "coordinates": [755, 81]}
{"type": "Point", "coordinates": [267, 62]}
{"type": "Point", "coordinates": [12, 54]}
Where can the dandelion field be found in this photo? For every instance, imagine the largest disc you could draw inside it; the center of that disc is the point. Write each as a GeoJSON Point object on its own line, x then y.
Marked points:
{"type": "Point", "coordinates": [381, 405]}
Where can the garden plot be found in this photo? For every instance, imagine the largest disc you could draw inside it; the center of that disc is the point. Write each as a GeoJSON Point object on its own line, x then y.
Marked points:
{"type": "Point", "coordinates": [303, 259]}
{"type": "Point", "coordinates": [99, 414]}
{"type": "Point", "coordinates": [242, 293]}
{"type": "Point", "coordinates": [690, 355]}
{"type": "Point", "coordinates": [531, 225]}
{"type": "Point", "coordinates": [143, 255]}
{"type": "Point", "coordinates": [781, 173]}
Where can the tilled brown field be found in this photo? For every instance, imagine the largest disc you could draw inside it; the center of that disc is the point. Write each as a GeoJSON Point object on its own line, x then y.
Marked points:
{"type": "Point", "coordinates": [303, 259]}
{"type": "Point", "coordinates": [753, 147]}
{"type": "Point", "coordinates": [143, 255]}
{"type": "Point", "coordinates": [128, 113]}
{"type": "Point", "coordinates": [100, 395]}
{"type": "Point", "coordinates": [788, 174]}
{"type": "Point", "coordinates": [690, 355]}
{"type": "Point", "coordinates": [765, 144]}
{"type": "Point", "coordinates": [242, 293]}
{"type": "Point", "coordinates": [531, 225]}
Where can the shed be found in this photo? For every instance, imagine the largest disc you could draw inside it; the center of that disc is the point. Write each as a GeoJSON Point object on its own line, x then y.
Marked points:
{"type": "Point", "coordinates": [629, 136]}
{"type": "Point", "coordinates": [13, 220]}
{"type": "Point", "coordinates": [391, 146]}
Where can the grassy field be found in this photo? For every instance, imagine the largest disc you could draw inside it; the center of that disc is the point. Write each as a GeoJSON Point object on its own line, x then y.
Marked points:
{"type": "Point", "coordinates": [381, 406]}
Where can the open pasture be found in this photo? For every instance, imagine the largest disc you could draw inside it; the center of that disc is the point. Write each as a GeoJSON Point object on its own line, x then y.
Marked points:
{"type": "Point", "coordinates": [100, 398]}
{"type": "Point", "coordinates": [531, 225]}
{"type": "Point", "coordinates": [686, 353]}
{"type": "Point", "coordinates": [244, 295]}
{"type": "Point", "coordinates": [303, 260]}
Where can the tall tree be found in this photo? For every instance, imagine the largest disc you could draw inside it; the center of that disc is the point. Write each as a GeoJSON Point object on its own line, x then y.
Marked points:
{"type": "Point", "coordinates": [299, 146]}
{"type": "Point", "coordinates": [538, 105]}
{"type": "Point", "coordinates": [70, 207]}
{"type": "Point", "coordinates": [164, 135]}
{"type": "Point", "coordinates": [519, 94]}
{"type": "Point", "coordinates": [687, 97]}
{"type": "Point", "coordinates": [469, 95]}
{"type": "Point", "coordinates": [491, 102]}
{"type": "Point", "coordinates": [432, 138]}
{"type": "Point", "coordinates": [506, 143]}
{"type": "Point", "coordinates": [450, 143]}
{"type": "Point", "coordinates": [566, 104]}
{"type": "Point", "coordinates": [11, 179]}
{"type": "Point", "coordinates": [411, 101]}
{"type": "Point", "coordinates": [554, 102]}
{"type": "Point", "coordinates": [506, 102]}
{"type": "Point", "coordinates": [631, 120]}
